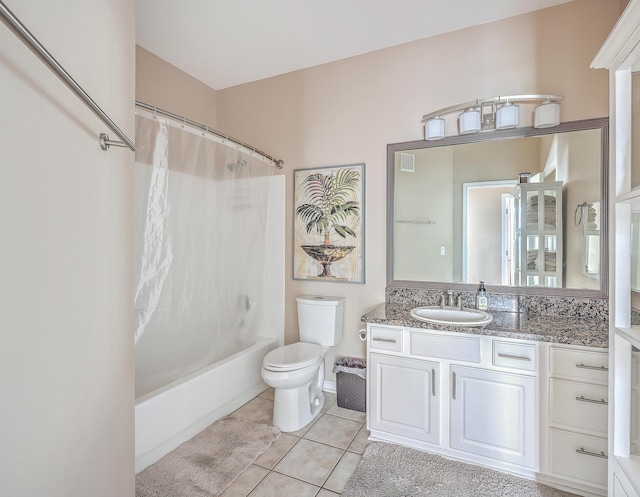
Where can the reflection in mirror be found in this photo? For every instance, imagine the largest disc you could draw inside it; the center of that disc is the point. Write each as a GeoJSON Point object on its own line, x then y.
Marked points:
{"type": "Point", "coordinates": [521, 208]}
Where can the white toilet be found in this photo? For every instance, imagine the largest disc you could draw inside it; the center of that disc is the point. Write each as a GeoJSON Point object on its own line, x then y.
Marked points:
{"type": "Point", "coordinates": [296, 371]}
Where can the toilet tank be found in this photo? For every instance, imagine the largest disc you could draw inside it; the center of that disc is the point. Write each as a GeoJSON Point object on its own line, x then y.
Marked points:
{"type": "Point", "coordinates": [320, 319]}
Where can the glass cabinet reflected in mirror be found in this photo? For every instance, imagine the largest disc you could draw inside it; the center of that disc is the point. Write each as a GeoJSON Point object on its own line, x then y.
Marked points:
{"type": "Point", "coordinates": [518, 209]}
{"type": "Point", "coordinates": [533, 224]}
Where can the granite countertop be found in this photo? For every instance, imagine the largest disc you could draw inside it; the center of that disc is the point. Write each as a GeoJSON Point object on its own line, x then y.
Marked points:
{"type": "Point", "coordinates": [539, 328]}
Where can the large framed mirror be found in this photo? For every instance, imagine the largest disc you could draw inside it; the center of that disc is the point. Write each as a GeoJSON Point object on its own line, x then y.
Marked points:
{"type": "Point", "coordinates": [524, 210]}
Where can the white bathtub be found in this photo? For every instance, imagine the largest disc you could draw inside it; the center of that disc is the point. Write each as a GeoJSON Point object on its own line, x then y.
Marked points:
{"type": "Point", "coordinates": [174, 413]}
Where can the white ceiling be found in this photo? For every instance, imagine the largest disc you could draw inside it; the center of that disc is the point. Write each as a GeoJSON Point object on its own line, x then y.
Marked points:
{"type": "Point", "coordinates": [225, 43]}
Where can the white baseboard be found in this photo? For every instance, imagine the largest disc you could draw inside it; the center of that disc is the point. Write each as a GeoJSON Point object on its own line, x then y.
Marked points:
{"type": "Point", "coordinates": [329, 386]}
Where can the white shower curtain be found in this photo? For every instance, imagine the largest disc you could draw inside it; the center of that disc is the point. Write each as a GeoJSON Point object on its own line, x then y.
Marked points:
{"type": "Point", "coordinates": [200, 222]}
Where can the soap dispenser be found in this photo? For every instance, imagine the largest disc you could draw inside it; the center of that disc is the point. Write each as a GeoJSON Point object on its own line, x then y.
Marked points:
{"type": "Point", "coordinates": [482, 302]}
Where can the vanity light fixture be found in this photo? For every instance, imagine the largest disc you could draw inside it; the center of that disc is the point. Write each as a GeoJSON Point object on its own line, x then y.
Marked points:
{"type": "Point", "coordinates": [493, 113]}
{"type": "Point", "coordinates": [507, 116]}
{"type": "Point", "coordinates": [470, 121]}
{"type": "Point", "coordinates": [434, 128]}
{"type": "Point", "coordinates": [547, 115]}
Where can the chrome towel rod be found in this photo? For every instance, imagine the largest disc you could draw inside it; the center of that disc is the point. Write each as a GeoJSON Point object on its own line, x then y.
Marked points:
{"type": "Point", "coordinates": [23, 33]}
{"type": "Point", "coordinates": [277, 162]}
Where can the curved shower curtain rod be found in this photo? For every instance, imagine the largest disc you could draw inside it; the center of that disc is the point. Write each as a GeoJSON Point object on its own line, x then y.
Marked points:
{"type": "Point", "coordinates": [276, 162]}
{"type": "Point", "coordinates": [21, 31]}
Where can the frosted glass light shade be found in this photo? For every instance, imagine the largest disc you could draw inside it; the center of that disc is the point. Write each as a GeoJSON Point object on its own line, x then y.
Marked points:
{"type": "Point", "coordinates": [469, 121]}
{"type": "Point", "coordinates": [434, 129]}
{"type": "Point", "coordinates": [507, 116]}
{"type": "Point", "coordinates": [547, 115]}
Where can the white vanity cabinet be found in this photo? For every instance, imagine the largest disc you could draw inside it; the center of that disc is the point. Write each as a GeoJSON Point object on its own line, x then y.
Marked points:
{"type": "Point", "coordinates": [466, 396]}
{"type": "Point", "coordinates": [533, 408]}
{"type": "Point", "coordinates": [574, 421]}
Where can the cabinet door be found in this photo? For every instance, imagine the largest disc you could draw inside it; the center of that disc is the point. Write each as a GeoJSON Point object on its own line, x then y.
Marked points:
{"type": "Point", "coordinates": [404, 397]}
{"type": "Point", "coordinates": [578, 456]}
{"type": "Point", "coordinates": [493, 415]}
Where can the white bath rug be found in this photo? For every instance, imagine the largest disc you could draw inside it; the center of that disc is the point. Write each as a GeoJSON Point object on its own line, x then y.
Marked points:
{"type": "Point", "coordinates": [387, 470]}
{"type": "Point", "coordinates": [208, 463]}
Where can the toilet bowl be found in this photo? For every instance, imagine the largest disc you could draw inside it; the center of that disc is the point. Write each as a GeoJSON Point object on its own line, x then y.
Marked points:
{"type": "Point", "coordinates": [296, 372]}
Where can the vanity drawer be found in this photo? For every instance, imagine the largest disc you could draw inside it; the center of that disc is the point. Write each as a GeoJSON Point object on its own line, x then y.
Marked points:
{"type": "Point", "coordinates": [386, 338]}
{"type": "Point", "coordinates": [515, 355]}
{"type": "Point", "coordinates": [445, 347]}
{"type": "Point", "coordinates": [578, 405]}
{"type": "Point", "coordinates": [582, 365]}
{"type": "Point", "coordinates": [578, 456]}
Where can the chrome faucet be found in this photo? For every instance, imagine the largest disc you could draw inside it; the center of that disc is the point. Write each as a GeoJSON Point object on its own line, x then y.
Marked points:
{"type": "Point", "coordinates": [451, 299]}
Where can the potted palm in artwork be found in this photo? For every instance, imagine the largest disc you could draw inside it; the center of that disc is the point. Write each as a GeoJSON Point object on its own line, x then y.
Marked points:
{"type": "Point", "coordinates": [329, 209]}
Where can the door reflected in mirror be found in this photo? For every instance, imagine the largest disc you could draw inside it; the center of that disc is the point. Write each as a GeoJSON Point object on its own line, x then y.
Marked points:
{"type": "Point", "coordinates": [515, 211]}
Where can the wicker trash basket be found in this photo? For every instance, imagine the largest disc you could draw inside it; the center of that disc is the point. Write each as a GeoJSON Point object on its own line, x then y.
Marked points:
{"type": "Point", "coordinates": [351, 374]}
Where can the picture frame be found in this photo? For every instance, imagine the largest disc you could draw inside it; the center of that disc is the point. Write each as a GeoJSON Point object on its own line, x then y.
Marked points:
{"type": "Point", "coordinates": [328, 225]}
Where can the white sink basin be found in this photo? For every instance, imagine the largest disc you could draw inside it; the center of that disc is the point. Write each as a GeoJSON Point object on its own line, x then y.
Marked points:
{"type": "Point", "coordinates": [452, 316]}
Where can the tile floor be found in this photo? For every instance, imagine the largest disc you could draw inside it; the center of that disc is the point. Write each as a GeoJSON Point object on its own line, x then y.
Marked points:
{"type": "Point", "coordinates": [315, 461]}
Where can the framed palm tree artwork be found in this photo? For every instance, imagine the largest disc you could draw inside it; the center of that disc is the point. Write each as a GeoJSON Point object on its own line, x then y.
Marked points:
{"type": "Point", "coordinates": [328, 228]}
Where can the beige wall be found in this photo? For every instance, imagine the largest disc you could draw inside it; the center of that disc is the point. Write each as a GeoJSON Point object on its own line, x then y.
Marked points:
{"type": "Point", "coordinates": [425, 195]}
{"type": "Point", "coordinates": [165, 86]}
{"type": "Point", "coordinates": [66, 357]}
{"type": "Point", "coordinates": [348, 111]}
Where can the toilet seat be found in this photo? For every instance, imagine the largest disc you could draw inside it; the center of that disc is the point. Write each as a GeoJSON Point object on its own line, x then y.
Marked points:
{"type": "Point", "coordinates": [292, 357]}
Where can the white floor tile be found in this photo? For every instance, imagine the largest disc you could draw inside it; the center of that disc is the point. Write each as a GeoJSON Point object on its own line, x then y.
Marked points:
{"type": "Point", "coordinates": [310, 461]}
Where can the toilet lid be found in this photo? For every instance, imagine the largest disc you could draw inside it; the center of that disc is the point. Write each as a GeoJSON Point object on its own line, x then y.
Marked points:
{"type": "Point", "coordinates": [293, 356]}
